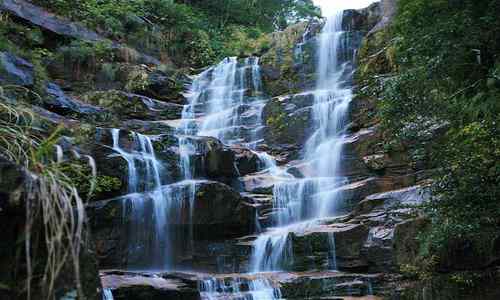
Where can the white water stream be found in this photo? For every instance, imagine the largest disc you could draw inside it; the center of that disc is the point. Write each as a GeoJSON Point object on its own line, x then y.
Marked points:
{"type": "Point", "coordinates": [301, 203]}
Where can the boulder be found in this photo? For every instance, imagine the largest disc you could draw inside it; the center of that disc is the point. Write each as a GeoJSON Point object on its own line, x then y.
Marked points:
{"type": "Point", "coordinates": [208, 157]}
{"type": "Point", "coordinates": [202, 210]}
{"type": "Point", "coordinates": [15, 70]}
{"type": "Point", "coordinates": [410, 196]}
{"type": "Point", "coordinates": [132, 106]}
{"type": "Point", "coordinates": [164, 86]}
{"type": "Point", "coordinates": [57, 101]}
{"type": "Point", "coordinates": [375, 162]}
{"type": "Point", "coordinates": [138, 286]}
{"type": "Point", "coordinates": [247, 161]}
{"type": "Point", "coordinates": [288, 119]}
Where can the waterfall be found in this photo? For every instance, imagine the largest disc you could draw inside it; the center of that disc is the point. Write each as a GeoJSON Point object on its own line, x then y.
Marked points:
{"type": "Point", "coordinates": [332, 256]}
{"type": "Point", "coordinates": [226, 102]}
{"type": "Point", "coordinates": [299, 203]}
{"type": "Point", "coordinates": [107, 294]}
{"type": "Point", "coordinates": [238, 288]}
{"type": "Point", "coordinates": [144, 182]}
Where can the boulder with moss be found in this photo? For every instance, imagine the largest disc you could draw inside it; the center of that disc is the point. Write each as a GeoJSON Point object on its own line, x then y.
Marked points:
{"type": "Point", "coordinates": [288, 119]}
{"type": "Point", "coordinates": [133, 106]}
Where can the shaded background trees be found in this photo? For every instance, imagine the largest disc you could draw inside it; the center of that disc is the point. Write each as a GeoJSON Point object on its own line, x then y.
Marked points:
{"type": "Point", "coordinates": [191, 32]}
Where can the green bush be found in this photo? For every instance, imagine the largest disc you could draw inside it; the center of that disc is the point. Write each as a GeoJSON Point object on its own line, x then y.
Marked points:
{"type": "Point", "coordinates": [197, 32]}
{"type": "Point", "coordinates": [444, 98]}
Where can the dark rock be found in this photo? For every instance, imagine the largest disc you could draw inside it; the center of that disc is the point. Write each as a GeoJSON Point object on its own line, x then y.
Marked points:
{"type": "Point", "coordinates": [362, 19]}
{"type": "Point", "coordinates": [209, 157]}
{"type": "Point", "coordinates": [406, 245]}
{"type": "Point", "coordinates": [213, 212]}
{"type": "Point", "coordinates": [288, 119]}
{"type": "Point", "coordinates": [378, 250]}
{"type": "Point", "coordinates": [246, 161]}
{"type": "Point", "coordinates": [13, 182]}
{"type": "Point", "coordinates": [12, 178]}
{"type": "Point", "coordinates": [161, 86]}
{"type": "Point", "coordinates": [312, 248]}
{"type": "Point", "coordinates": [48, 21]}
{"type": "Point", "coordinates": [57, 101]}
{"type": "Point", "coordinates": [133, 106]}
{"type": "Point", "coordinates": [137, 286]}
{"type": "Point", "coordinates": [333, 285]}
{"type": "Point", "coordinates": [413, 196]}
{"type": "Point", "coordinates": [148, 127]}
{"type": "Point", "coordinates": [15, 70]}
{"type": "Point", "coordinates": [353, 193]}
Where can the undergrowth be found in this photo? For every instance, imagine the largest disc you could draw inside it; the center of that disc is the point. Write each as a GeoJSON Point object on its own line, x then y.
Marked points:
{"type": "Point", "coordinates": [51, 200]}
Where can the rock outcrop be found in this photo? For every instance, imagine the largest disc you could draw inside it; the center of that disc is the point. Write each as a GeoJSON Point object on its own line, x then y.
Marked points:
{"type": "Point", "coordinates": [14, 182]}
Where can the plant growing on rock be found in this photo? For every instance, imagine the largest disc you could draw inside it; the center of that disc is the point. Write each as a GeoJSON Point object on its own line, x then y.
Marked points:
{"type": "Point", "coordinates": [51, 199]}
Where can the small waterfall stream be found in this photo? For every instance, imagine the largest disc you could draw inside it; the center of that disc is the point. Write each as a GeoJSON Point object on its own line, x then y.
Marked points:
{"type": "Point", "coordinates": [301, 203]}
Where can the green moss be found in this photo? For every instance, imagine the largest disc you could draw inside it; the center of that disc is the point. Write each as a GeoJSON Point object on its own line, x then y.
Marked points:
{"type": "Point", "coordinates": [88, 187]}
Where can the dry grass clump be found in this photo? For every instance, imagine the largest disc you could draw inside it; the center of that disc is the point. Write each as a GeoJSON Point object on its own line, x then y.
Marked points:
{"type": "Point", "coordinates": [51, 199]}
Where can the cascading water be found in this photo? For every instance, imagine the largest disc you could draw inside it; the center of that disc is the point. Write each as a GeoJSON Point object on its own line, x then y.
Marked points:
{"type": "Point", "coordinates": [238, 288]}
{"type": "Point", "coordinates": [226, 102]}
{"type": "Point", "coordinates": [300, 203]}
{"type": "Point", "coordinates": [144, 179]}
{"type": "Point", "coordinates": [152, 206]}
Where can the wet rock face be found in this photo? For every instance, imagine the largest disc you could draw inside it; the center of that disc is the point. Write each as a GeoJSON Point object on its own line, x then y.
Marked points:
{"type": "Point", "coordinates": [217, 213]}
{"type": "Point", "coordinates": [159, 85]}
{"type": "Point", "coordinates": [246, 161]}
{"type": "Point", "coordinates": [363, 19]}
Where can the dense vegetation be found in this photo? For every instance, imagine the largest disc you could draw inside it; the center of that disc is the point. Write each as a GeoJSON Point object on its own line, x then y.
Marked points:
{"type": "Point", "coordinates": [188, 31]}
{"type": "Point", "coordinates": [446, 84]}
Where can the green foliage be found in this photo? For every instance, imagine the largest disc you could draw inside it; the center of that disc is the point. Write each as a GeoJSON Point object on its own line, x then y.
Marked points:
{"type": "Point", "coordinates": [90, 186]}
{"type": "Point", "coordinates": [195, 33]}
{"type": "Point", "coordinates": [51, 199]}
{"type": "Point", "coordinates": [444, 99]}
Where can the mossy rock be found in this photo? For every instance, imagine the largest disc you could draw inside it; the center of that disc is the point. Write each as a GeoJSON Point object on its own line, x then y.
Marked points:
{"type": "Point", "coordinates": [132, 106]}
{"type": "Point", "coordinates": [288, 119]}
